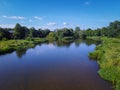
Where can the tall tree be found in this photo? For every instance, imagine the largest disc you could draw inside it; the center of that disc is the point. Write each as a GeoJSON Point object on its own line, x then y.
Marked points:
{"type": "Point", "coordinates": [18, 32]}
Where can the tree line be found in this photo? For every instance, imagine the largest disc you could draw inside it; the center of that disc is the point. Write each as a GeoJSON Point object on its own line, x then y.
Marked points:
{"type": "Point", "coordinates": [22, 32]}
{"type": "Point", "coordinates": [113, 30]}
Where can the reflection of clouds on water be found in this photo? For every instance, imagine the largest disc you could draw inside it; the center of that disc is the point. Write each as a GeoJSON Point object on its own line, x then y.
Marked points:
{"type": "Point", "coordinates": [36, 51]}
{"type": "Point", "coordinates": [51, 46]}
{"type": "Point", "coordinates": [41, 49]}
{"type": "Point", "coordinates": [30, 50]}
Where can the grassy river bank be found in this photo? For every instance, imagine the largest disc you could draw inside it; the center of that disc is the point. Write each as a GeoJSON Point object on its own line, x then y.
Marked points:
{"type": "Point", "coordinates": [108, 56]}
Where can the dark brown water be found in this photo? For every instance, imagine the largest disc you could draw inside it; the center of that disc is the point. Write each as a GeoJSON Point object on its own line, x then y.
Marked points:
{"type": "Point", "coordinates": [55, 66]}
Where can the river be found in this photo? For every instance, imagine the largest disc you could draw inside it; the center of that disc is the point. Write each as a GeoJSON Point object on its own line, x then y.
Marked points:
{"type": "Point", "coordinates": [52, 66]}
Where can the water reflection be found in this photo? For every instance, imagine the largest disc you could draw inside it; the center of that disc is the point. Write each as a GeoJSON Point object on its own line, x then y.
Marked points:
{"type": "Point", "coordinates": [89, 42]}
{"type": "Point", "coordinates": [20, 53]}
{"type": "Point", "coordinates": [63, 44]}
{"type": "Point", "coordinates": [59, 43]}
{"type": "Point", "coordinates": [77, 43]}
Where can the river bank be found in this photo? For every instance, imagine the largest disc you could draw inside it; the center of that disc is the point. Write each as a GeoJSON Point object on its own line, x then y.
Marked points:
{"type": "Point", "coordinates": [12, 45]}
{"type": "Point", "coordinates": [108, 56]}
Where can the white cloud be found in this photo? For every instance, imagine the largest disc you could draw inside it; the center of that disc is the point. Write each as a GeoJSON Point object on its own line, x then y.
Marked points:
{"type": "Point", "coordinates": [65, 23]}
{"type": "Point", "coordinates": [38, 18]}
{"type": "Point", "coordinates": [87, 3]}
{"type": "Point", "coordinates": [51, 24]}
{"type": "Point", "coordinates": [14, 17]}
{"type": "Point", "coordinates": [7, 25]}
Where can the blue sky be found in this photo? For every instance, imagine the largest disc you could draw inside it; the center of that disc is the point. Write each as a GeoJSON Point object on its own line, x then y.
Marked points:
{"type": "Point", "coordinates": [59, 13]}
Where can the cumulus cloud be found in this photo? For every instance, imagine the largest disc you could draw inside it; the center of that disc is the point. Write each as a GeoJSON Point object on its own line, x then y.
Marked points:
{"type": "Point", "coordinates": [51, 24]}
{"type": "Point", "coordinates": [38, 18]}
{"type": "Point", "coordinates": [14, 17]}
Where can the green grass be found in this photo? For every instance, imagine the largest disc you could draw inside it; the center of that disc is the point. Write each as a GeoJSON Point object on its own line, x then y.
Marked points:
{"type": "Point", "coordinates": [108, 56]}
{"type": "Point", "coordinates": [12, 45]}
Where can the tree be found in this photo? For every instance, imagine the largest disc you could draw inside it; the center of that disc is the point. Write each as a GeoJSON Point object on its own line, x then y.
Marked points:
{"type": "Point", "coordinates": [25, 32]}
{"type": "Point", "coordinates": [46, 32]}
{"type": "Point", "coordinates": [77, 28]}
{"type": "Point", "coordinates": [104, 31]}
{"type": "Point", "coordinates": [33, 32]}
{"type": "Point", "coordinates": [67, 32]}
{"type": "Point", "coordinates": [5, 34]}
{"type": "Point", "coordinates": [17, 31]}
{"type": "Point", "coordinates": [20, 32]}
{"type": "Point", "coordinates": [77, 33]}
{"type": "Point", "coordinates": [59, 33]}
{"type": "Point", "coordinates": [98, 32]}
{"type": "Point", "coordinates": [83, 36]}
{"type": "Point", "coordinates": [52, 36]}
{"type": "Point", "coordinates": [114, 29]}
{"type": "Point", "coordinates": [88, 32]}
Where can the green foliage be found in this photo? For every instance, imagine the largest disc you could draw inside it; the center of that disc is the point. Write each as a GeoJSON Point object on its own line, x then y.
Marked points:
{"type": "Point", "coordinates": [20, 32]}
{"type": "Point", "coordinates": [52, 36]}
{"type": "Point", "coordinates": [4, 34]}
{"type": "Point", "coordinates": [43, 33]}
{"type": "Point", "coordinates": [11, 45]}
{"type": "Point", "coordinates": [108, 56]}
{"type": "Point", "coordinates": [77, 33]}
{"type": "Point", "coordinates": [77, 28]}
{"type": "Point", "coordinates": [83, 36]}
{"type": "Point", "coordinates": [32, 32]}
{"type": "Point", "coordinates": [65, 32]}
{"type": "Point", "coordinates": [113, 30]}
{"type": "Point", "coordinates": [17, 31]}
{"type": "Point", "coordinates": [6, 49]}
{"type": "Point", "coordinates": [93, 55]}
{"type": "Point", "coordinates": [29, 39]}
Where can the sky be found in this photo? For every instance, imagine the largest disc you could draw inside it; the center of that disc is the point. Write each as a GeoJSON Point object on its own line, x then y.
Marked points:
{"type": "Point", "coordinates": [54, 14]}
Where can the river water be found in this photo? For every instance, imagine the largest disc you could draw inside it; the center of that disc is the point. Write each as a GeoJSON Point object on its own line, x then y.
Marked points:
{"type": "Point", "coordinates": [52, 66]}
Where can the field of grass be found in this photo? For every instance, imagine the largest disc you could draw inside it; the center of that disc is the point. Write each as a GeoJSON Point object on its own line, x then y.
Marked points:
{"type": "Point", "coordinates": [12, 45]}
{"type": "Point", "coordinates": [108, 56]}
